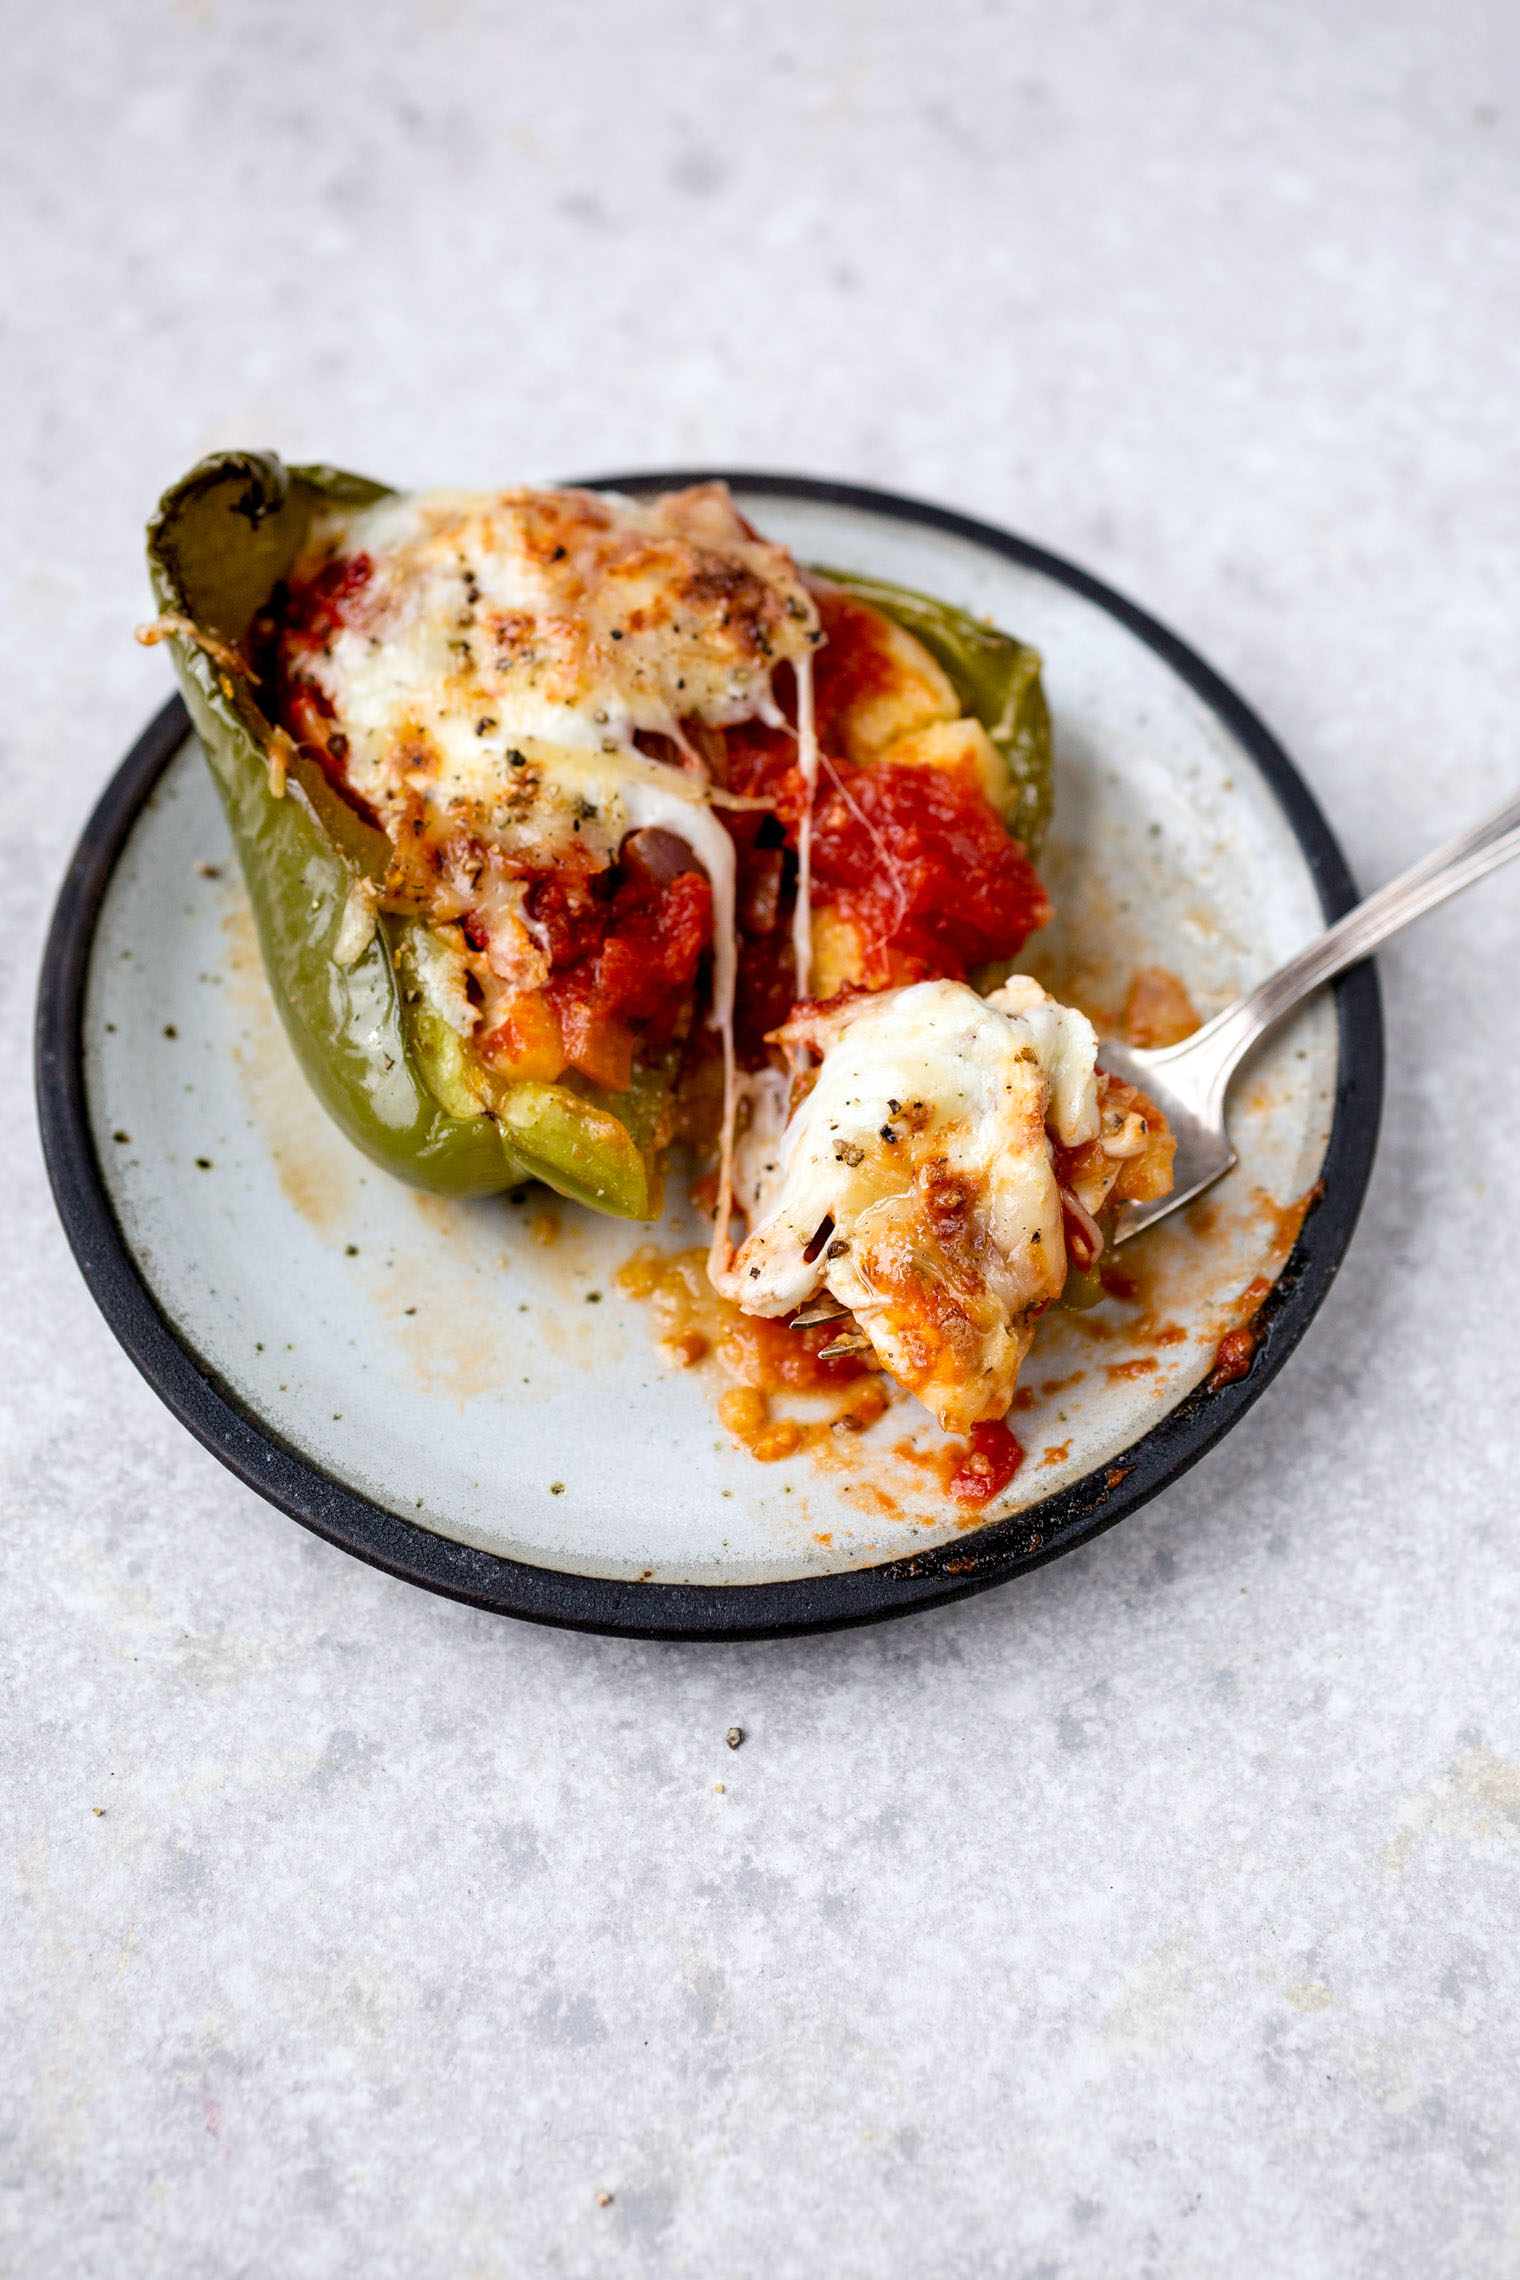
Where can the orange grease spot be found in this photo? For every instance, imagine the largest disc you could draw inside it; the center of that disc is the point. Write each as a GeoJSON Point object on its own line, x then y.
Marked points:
{"type": "Point", "coordinates": [1237, 1348]}
{"type": "Point", "coordinates": [1285, 1219]}
{"type": "Point", "coordinates": [694, 1321]}
{"type": "Point", "coordinates": [1158, 1010]}
{"type": "Point", "coordinates": [768, 1359]}
{"type": "Point", "coordinates": [1251, 1298]}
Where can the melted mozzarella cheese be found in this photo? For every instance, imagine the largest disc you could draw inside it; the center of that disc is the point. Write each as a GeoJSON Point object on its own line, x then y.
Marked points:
{"type": "Point", "coordinates": [486, 623]}
{"type": "Point", "coordinates": [1067, 1047]}
{"type": "Point", "coordinates": [915, 1182]}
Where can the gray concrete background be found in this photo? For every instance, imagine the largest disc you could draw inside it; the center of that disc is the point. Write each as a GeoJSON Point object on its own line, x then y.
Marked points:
{"type": "Point", "coordinates": [1156, 1915]}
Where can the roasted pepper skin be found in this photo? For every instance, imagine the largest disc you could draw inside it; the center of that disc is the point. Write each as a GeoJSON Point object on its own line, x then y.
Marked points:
{"type": "Point", "coordinates": [388, 1073]}
{"type": "Point", "coordinates": [219, 543]}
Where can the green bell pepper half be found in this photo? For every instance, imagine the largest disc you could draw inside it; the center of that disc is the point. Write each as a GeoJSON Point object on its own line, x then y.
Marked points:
{"type": "Point", "coordinates": [395, 1078]}
{"type": "Point", "coordinates": [392, 1075]}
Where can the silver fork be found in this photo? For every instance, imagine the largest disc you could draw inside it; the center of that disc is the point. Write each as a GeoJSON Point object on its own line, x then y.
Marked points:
{"type": "Point", "coordinates": [1189, 1082]}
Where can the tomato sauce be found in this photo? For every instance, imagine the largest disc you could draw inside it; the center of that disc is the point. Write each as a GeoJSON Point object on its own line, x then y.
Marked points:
{"type": "Point", "coordinates": [300, 623]}
{"type": "Point", "coordinates": [314, 612]}
{"type": "Point", "coordinates": [918, 860]}
{"type": "Point", "coordinates": [623, 967]}
{"type": "Point", "coordinates": [991, 1461]}
{"type": "Point", "coordinates": [761, 763]}
{"type": "Point", "coordinates": [1233, 1358]}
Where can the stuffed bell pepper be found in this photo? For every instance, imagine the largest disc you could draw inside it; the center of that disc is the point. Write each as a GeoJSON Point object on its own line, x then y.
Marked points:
{"type": "Point", "coordinates": [577, 824]}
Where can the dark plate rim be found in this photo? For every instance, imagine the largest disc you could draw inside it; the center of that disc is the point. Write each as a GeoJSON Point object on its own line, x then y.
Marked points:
{"type": "Point", "coordinates": [663, 1611]}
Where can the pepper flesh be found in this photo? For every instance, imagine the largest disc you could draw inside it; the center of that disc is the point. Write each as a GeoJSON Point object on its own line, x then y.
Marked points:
{"type": "Point", "coordinates": [396, 1079]}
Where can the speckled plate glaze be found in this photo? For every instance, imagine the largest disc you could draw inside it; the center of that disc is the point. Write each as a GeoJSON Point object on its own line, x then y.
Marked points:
{"type": "Point", "coordinates": [444, 1392]}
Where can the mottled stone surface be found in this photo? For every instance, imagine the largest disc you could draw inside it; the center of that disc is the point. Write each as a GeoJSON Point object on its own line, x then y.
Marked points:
{"type": "Point", "coordinates": [1155, 1915]}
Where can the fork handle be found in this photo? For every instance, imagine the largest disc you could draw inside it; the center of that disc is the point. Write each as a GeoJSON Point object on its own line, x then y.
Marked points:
{"type": "Point", "coordinates": [1220, 1046]}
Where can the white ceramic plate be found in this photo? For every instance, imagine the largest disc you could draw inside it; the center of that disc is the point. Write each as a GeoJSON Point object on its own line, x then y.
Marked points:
{"type": "Point", "coordinates": [435, 1387]}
